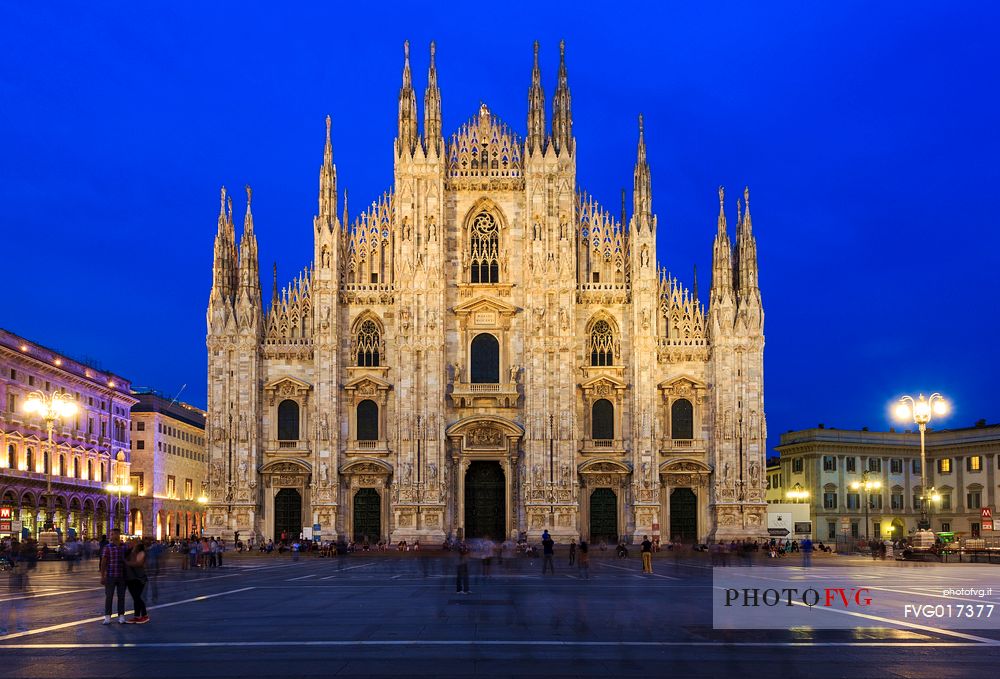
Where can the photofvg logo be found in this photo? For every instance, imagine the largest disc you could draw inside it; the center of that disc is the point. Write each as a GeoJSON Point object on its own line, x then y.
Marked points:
{"type": "Point", "coordinates": [848, 597]}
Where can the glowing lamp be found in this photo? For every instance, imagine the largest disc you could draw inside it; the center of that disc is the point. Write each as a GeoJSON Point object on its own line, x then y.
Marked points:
{"type": "Point", "coordinates": [940, 407]}
{"type": "Point", "coordinates": [903, 411]}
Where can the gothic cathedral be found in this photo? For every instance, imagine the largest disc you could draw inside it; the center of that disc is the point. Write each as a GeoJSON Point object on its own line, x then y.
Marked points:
{"type": "Point", "coordinates": [486, 351]}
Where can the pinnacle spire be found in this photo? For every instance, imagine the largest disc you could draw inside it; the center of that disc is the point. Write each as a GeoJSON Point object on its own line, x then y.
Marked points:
{"type": "Point", "coordinates": [694, 287]}
{"type": "Point", "coordinates": [642, 196]}
{"type": "Point", "coordinates": [562, 117]}
{"type": "Point", "coordinates": [407, 138]}
{"type": "Point", "coordinates": [274, 284]}
{"type": "Point", "coordinates": [746, 257]}
{"type": "Point", "coordinates": [432, 108]}
{"type": "Point", "coordinates": [327, 184]}
{"type": "Point", "coordinates": [722, 264]}
{"type": "Point", "coordinates": [536, 109]}
{"type": "Point", "coordinates": [249, 271]}
{"type": "Point", "coordinates": [344, 223]}
{"type": "Point", "coordinates": [224, 258]}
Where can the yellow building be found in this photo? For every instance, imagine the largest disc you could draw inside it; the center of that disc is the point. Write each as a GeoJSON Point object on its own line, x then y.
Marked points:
{"type": "Point", "coordinates": [169, 466]}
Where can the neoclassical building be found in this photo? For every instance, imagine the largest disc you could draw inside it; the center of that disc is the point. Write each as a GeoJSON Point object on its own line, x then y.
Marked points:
{"type": "Point", "coordinates": [485, 350]}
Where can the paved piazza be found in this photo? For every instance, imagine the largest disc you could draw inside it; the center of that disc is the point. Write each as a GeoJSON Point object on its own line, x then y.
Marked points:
{"type": "Point", "coordinates": [376, 614]}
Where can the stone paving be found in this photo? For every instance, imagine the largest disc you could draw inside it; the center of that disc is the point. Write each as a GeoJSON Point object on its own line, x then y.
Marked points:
{"type": "Point", "coordinates": [374, 614]}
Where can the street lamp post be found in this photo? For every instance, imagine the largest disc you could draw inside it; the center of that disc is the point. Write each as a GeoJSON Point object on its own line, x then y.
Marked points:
{"type": "Point", "coordinates": [797, 493]}
{"type": "Point", "coordinates": [50, 408]}
{"type": "Point", "coordinates": [868, 485]}
{"type": "Point", "coordinates": [920, 411]}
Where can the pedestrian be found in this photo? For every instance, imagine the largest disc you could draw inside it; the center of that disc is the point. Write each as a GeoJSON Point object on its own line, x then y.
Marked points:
{"type": "Point", "coordinates": [647, 555]}
{"type": "Point", "coordinates": [584, 560]}
{"type": "Point", "coordinates": [17, 590]}
{"type": "Point", "coordinates": [135, 580]}
{"type": "Point", "coordinates": [113, 576]}
{"type": "Point", "coordinates": [548, 550]}
{"type": "Point", "coordinates": [807, 551]}
{"type": "Point", "coordinates": [462, 572]}
{"type": "Point", "coordinates": [572, 553]}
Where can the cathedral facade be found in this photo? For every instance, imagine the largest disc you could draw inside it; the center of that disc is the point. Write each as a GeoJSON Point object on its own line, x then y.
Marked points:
{"type": "Point", "coordinates": [485, 351]}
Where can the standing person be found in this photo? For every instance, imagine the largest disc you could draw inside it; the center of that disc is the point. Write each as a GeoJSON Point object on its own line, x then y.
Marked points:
{"type": "Point", "coordinates": [807, 552]}
{"type": "Point", "coordinates": [584, 560]}
{"type": "Point", "coordinates": [572, 553]}
{"type": "Point", "coordinates": [113, 576]}
{"type": "Point", "coordinates": [647, 555]}
{"type": "Point", "coordinates": [135, 579]}
{"type": "Point", "coordinates": [153, 556]}
{"type": "Point", "coordinates": [548, 550]}
{"type": "Point", "coordinates": [462, 572]}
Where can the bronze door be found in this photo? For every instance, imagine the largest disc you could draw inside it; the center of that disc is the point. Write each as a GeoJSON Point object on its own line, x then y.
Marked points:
{"type": "Point", "coordinates": [485, 501]}
{"type": "Point", "coordinates": [367, 515]}
{"type": "Point", "coordinates": [287, 513]}
{"type": "Point", "coordinates": [684, 515]}
{"type": "Point", "coordinates": [603, 516]}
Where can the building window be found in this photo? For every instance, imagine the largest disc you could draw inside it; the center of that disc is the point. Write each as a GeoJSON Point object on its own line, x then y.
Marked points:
{"type": "Point", "coordinates": [875, 501]}
{"type": "Point", "coordinates": [288, 420]}
{"type": "Point", "coordinates": [602, 344]}
{"type": "Point", "coordinates": [140, 444]}
{"type": "Point", "coordinates": [944, 465]}
{"type": "Point", "coordinates": [484, 246]}
{"type": "Point", "coordinates": [369, 341]}
{"type": "Point", "coordinates": [830, 500]}
{"type": "Point", "coordinates": [875, 464]}
{"type": "Point", "coordinates": [974, 499]}
{"type": "Point", "coordinates": [974, 463]}
{"type": "Point", "coordinates": [485, 361]}
{"type": "Point", "coordinates": [76, 467]}
{"type": "Point", "coordinates": [853, 500]}
{"type": "Point", "coordinates": [877, 529]}
{"type": "Point", "coordinates": [90, 470]}
{"type": "Point", "coordinates": [895, 466]}
{"type": "Point", "coordinates": [188, 489]}
{"type": "Point", "coordinates": [172, 486]}
{"type": "Point", "coordinates": [851, 464]}
{"type": "Point", "coordinates": [976, 528]}
{"type": "Point", "coordinates": [831, 530]}
{"type": "Point", "coordinates": [682, 419]}
{"type": "Point", "coordinates": [829, 463]}
{"type": "Point", "coordinates": [945, 500]}
{"type": "Point", "coordinates": [896, 501]}
{"type": "Point", "coordinates": [367, 420]}
{"type": "Point", "coordinates": [916, 466]}
{"type": "Point", "coordinates": [136, 479]}
{"type": "Point", "coordinates": [63, 470]}
{"type": "Point", "coordinates": [855, 529]}
{"type": "Point", "coordinates": [11, 402]}
{"type": "Point", "coordinates": [45, 462]}
{"type": "Point", "coordinates": [916, 501]}
{"type": "Point", "coordinates": [945, 527]}
{"type": "Point", "coordinates": [140, 426]}
{"type": "Point", "coordinates": [797, 465]}
{"type": "Point", "coordinates": [11, 460]}
{"type": "Point", "coordinates": [602, 420]}
{"type": "Point", "coordinates": [29, 459]}
{"type": "Point", "coordinates": [31, 380]}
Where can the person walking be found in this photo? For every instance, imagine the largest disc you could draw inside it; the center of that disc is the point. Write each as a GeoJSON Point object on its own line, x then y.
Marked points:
{"type": "Point", "coordinates": [548, 550]}
{"type": "Point", "coordinates": [113, 576]}
{"type": "Point", "coordinates": [647, 555]}
{"type": "Point", "coordinates": [17, 589]}
{"type": "Point", "coordinates": [135, 580]}
{"type": "Point", "coordinates": [807, 552]}
{"type": "Point", "coordinates": [572, 553]}
{"type": "Point", "coordinates": [462, 572]}
{"type": "Point", "coordinates": [584, 560]}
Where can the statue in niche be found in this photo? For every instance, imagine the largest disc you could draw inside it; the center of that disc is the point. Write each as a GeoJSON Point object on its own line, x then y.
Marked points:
{"type": "Point", "coordinates": [727, 426]}
{"type": "Point", "coordinates": [431, 229]}
{"type": "Point", "coordinates": [243, 427]}
{"type": "Point", "coordinates": [513, 374]}
{"type": "Point", "coordinates": [324, 427]}
{"type": "Point", "coordinates": [536, 229]}
{"type": "Point", "coordinates": [432, 471]}
{"type": "Point", "coordinates": [325, 318]}
{"type": "Point", "coordinates": [754, 474]}
{"type": "Point", "coordinates": [243, 472]}
{"type": "Point", "coordinates": [563, 474]}
{"type": "Point", "coordinates": [324, 473]}
{"type": "Point", "coordinates": [406, 228]}
{"type": "Point", "coordinates": [457, 367]}
{"type": "Point", "coordinates": [727, 474]}
{"type": "Point", "coordinates": [536, 473]}
{"type": "Point", "coordinates": [644, 256]}
{"type": "Point", "coordinates": [324, 257]}
{"type": "Point", "coordinates": [564, 319]}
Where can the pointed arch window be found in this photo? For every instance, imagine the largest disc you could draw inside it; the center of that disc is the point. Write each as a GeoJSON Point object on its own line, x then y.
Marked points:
{"type": "Point", "coordinates": [602, 420]}
{"type": "Point", "coordinates": [602, 344]}
{"type": "Point", "coordinates": [681, 419]}
{"type": "Point", "coordinates": [288, 420]}
{"type": "Point", "coordinates": [484, 245]}
{"type": "Point", "coordinates": [369, 342]}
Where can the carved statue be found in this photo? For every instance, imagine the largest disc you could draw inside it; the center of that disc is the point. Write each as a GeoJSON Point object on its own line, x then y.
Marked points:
{"type": "Point", "coordinates": [727, 474]}
{"type": "Point", "coordinates": [243, 472]}
{"type": "Point", "coordinates": [324, 473]}
{"type": "Point", "coordinates": [513, 374]}
{"type": "Point", "coordinates": [432, 471]}
{"type": "Point", "coordinates": [644, 256]}
{"type": "Point", "coordinates": [563, 474]}
{"type": "Point", "coordinates": [457, 367]}
{"type": "Point", "coordinates": [754, 474]}
{"type": "Point", "coordinates": [216, 474]}
{"type": "Point", "coordinates": [324, 427]}
{"type": "Point", "coordinates": [243, 427]}
{"type": "Point", "coordinates": [536, 473]}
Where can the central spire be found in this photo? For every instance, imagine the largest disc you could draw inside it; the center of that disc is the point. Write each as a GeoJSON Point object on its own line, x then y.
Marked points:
{"type": "Point", "coordinates": [562, 117]}
{"type": "Point", "coordinates": [328, 183]}
{"type": "Point", "coordinates": [432, 108]}
{"type": "Point", "coordinates": [642, 192]}
{"type": "Point", "coordinates": [536, 109]}
{"type": "Point", "coordinates": [407, 139]}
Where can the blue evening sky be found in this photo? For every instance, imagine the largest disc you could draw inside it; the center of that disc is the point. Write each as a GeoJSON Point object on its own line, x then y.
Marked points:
{"type": "Point", "coordinates": [866, 131]}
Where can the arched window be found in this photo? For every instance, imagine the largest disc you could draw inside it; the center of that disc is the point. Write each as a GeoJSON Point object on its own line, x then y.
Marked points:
{"type": "Point", "coordinates": [602, 420]}
{"type": "Point", "coordinates": [45, 462]}
{"type": "Point", "coordinates": [602, 344]}
{"type": "Point", "coordinates": [367, 420]}
{"type": "Point", "coordinates": [484, 246]}
{"type": "Point", "coordinates": [76, 468]}
{"type": "Point", "coordinates": [90, 470]}
{"type": "Point", "coordinates": [485, 359]}
{"type": "Point", "coordinates": [369, 340]}
{"type": "Point", "coordinates": [63, 469]}
{"type": "Point", "coordinates": [681, 419]}
{"type": "Point", "coordinates": [288, 420]}
{"type": "Point", "coordinates": [29, 459]}
{"type": "Point", "coordinates": [11, 456]}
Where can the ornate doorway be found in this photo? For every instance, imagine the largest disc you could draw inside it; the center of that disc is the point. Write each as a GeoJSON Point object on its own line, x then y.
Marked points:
{"type": "Point", "coordinates": [603, 516]}
{"type": "Point", "coordinates": [485, 504]}
{"type": "Point", "coordinates": [287, 513]}
{"type": "Point", "coordinates": [683, 515]}
{"type": "Point", "coordinates": [367, 515]}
